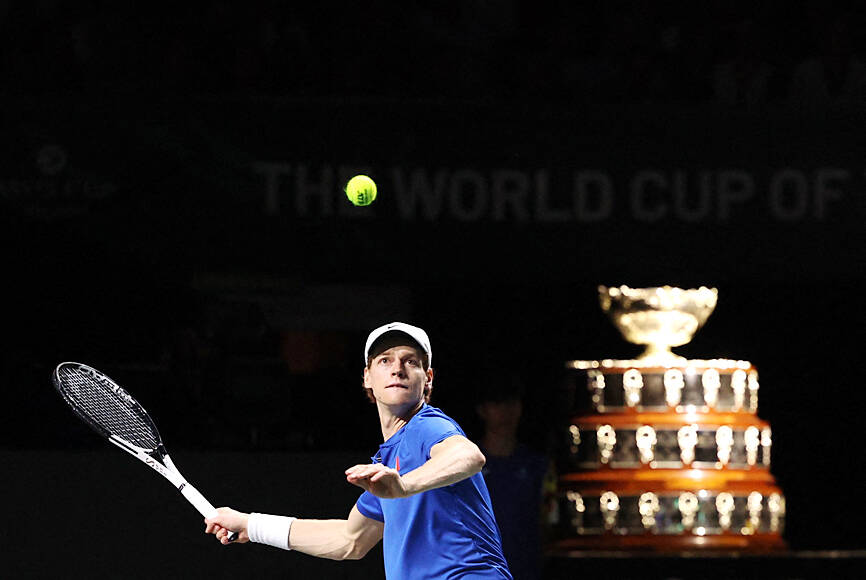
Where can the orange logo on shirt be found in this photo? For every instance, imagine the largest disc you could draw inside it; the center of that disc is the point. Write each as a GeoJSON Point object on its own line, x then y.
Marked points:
{"type": "Point", "coordinates": [398, 463]}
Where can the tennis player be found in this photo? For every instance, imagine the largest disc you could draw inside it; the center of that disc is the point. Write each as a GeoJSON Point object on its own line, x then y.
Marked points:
{"type": "Point", "coordinates": [423, 492]}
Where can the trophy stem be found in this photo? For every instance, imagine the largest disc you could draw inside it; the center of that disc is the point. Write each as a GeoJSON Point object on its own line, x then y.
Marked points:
{"type": "Point", "coordinates": [660, 353]}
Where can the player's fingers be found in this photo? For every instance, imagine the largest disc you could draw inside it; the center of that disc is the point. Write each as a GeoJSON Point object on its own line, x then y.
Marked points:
{"type": "Point", "coordinates": [364, 467]}
{"type": "Point", "coordinates": [355, 469]}
{"type": "Point", "coordinates": [358, 474]}
{"type": "Point", "coordinates": [373, 469]}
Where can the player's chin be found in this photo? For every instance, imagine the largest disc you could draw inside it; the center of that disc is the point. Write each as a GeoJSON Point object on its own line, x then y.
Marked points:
{"type": "Point", "coordinates": [398, 395]}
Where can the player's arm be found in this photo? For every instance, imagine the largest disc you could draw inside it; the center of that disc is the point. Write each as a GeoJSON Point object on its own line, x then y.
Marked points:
{"type": "Point", "coordinates": [451, 460]}
{"type": "Point", "coordinates": [348, 539]}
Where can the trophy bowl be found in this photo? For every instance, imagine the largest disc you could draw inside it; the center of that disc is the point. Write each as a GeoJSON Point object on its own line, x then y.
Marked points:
{"type": "Point", "coordinates": [659, 318]}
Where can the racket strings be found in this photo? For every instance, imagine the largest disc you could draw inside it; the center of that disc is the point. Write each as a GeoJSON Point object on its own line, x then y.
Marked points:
{"type": "Point", "coordinates": [109, 406]}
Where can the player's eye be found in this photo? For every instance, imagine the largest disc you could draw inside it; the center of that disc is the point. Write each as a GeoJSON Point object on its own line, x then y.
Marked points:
{"type": "Point", "coordinates": [412, 361]}
{"type": "Point", "coordinates": [383, 360]}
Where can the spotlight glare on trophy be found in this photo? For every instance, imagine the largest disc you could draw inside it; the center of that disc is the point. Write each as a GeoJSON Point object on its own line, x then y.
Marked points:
{"type": "Point", "coordinates": [666, 453]}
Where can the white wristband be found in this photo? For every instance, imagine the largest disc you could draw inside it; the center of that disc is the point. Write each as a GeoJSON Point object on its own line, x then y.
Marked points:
{"type": "Point", "coordinates": [270, 530]}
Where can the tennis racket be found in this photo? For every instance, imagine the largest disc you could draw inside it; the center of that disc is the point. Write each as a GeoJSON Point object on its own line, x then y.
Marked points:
{"type": "Point", "coordinates": [117, 416]}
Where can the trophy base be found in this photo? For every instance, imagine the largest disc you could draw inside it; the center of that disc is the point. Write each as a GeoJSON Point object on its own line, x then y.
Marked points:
{"type": "Point", "coordinates": [758, 543]}
{"type": "Point", "coordinates": [667, 458]}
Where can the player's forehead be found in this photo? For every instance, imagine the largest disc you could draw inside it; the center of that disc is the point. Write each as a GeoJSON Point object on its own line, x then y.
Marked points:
{"type": "Point", "coordinates": [399, 350]}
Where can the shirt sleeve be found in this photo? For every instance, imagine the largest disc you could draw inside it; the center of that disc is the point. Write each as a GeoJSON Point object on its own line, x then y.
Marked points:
{"type": "Point", "coordinates": [433, 430]}
{"type": "Point", "coordinates": [370, 507]}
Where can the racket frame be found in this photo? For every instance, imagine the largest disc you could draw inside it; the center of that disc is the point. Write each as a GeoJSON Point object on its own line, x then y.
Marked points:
{"type": "Point", "coordinates": [157, 458]}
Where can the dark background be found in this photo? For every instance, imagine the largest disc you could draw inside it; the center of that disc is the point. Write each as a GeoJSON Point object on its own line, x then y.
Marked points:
{"type": "Point", "coordinates": [138, 237]}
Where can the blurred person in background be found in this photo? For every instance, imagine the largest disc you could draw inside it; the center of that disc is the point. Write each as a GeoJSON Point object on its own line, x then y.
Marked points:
{"type": "Point", "coordinates": [519, 478]}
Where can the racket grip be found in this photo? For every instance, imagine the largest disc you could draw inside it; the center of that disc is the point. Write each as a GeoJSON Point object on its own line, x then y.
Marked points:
{"type": "Point", "coordinates": [204, 507]}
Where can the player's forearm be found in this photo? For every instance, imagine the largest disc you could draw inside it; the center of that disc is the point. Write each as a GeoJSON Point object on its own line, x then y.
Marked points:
{"type": "Point", "coordinates": [452, 464]}
{"type": "Point", "coordinates": [327, 539]}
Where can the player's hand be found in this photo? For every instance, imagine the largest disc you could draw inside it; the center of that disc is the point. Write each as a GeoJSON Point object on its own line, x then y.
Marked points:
{"type": "Point", "coordinates": [228, 520]}
{"type": "Point", "coordinates": [378, 479]}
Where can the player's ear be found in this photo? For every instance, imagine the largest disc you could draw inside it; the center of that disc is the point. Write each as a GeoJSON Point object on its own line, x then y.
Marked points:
{"type": "Point", "coordinates": [428, 387]}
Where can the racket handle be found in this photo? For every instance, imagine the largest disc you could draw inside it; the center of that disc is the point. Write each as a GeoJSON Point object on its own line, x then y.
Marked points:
{"type": "Point", "coordinates": [203, 506]}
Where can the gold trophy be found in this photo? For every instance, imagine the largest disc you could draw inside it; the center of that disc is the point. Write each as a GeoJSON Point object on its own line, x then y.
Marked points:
{"type": "Point", "coordinates": [659, 318]}
{"type": "Point", "coordinates": [666, 453]}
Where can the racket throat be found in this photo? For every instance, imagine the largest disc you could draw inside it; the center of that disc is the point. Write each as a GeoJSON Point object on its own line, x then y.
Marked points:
{"type": "Point", "coordinates": [128, 447]}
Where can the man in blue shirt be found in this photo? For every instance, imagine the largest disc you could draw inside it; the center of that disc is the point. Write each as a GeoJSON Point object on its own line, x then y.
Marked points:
{"type": "Point", "coordinates": [423, 492]}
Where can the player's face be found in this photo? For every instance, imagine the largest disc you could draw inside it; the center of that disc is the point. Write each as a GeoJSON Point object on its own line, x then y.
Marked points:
{"type": "Point", "coordinates": [397, 376]}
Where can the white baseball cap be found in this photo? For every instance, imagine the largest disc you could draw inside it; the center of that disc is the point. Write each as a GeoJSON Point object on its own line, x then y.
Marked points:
{"type": "Point", "coordinates": [417, 334]}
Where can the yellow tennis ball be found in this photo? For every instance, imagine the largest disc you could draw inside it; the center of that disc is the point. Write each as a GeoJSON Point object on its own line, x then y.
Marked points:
{"type": "Point", "coordinates": [361, 190]}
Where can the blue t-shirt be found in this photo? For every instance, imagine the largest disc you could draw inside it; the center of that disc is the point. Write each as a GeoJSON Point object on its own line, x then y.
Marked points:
{"type": "Point", "coordinates": [444, 533]}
